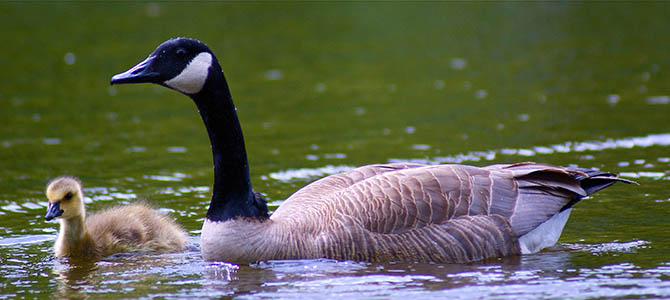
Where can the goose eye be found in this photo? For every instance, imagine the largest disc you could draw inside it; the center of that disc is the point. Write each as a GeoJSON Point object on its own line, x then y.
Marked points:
{"type": "Point", "coordinates": [68, 196]}
{"type": "Point", "coordinates": [181, 52]}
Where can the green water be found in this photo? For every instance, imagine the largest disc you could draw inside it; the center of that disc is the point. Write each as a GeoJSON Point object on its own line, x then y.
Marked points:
{"type": "Point", "coordinates": [339, 85]}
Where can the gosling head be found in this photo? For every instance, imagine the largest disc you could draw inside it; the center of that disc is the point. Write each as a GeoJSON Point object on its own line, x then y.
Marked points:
{"type": "Point", "coordinates": [65, 198]}
{"type": "Point", "coordinates": [181, 64]}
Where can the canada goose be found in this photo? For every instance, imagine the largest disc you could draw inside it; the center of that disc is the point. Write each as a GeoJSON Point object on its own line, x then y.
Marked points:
{"type": "Point", "coordinates": [128, 228]}
{"type": "Point", "coordinates": [387, 212]}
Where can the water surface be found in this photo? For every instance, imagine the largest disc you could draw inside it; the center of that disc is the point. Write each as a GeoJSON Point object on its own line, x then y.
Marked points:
{"type": "Point", "coordinates": [320, 89]}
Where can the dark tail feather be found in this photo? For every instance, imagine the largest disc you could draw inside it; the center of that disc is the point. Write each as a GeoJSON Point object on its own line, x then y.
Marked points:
{"type": "Point", "coordinates": [593, 180]}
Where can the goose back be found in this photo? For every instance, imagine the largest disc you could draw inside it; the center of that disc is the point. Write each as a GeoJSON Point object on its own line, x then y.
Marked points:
{"type": "Point", "coordinates": [414, 212]}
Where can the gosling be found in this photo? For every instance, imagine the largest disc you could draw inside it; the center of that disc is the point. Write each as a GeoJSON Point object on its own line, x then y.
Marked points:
{"type": "Point", "coordinates": [128, 228]}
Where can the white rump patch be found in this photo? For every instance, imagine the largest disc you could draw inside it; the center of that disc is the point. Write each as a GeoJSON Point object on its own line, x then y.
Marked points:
{"type": "Point", "coordinates": [545, 235]}
{"type": "Point", "coordinates": [193, 77]}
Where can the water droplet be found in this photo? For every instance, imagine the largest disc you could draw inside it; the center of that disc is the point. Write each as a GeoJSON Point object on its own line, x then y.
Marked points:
{"type": "Point", "coordinates": [274, 74]}
{"type": "Point", "coordinates": [360, 111]}
{"type": "Point", "coordinates": [481, 94]}
{"type": "Point", "coordinates": [458, 63]}
{"type": "Point", "coordinates": [136, 149]}
{"type": "Point", "coordinates": [37, 117]}
{"type": "Point", "coordinates": [410, 129]}
{"type": "Point", "coordinates": [421, 147]}
{"type": "Point", "coordinates": [51, 141]}
{"type": "Point", "coordinates": [438, 84]}
{"type": "Point", "coordinates": [336, 156]}
{"type": "Point", "coordinates": [311, 157]}
{"type": "Point", "coordinates": [70, 58]}
{"type": "Point", "coordinates": [500, 126]}
{"type": "Point", "coordinates": [177, 149]}
{"type": "Point", "coordinates": [524, 117]}
{"type": "Point", "coordinates": [314, 147]}
{"type": "Point", "coordinates": [658, 100]}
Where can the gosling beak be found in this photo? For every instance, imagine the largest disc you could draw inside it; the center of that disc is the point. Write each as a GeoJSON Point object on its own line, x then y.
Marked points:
{"type": "Point", "coordinates": [53, 211]}
{"type": "Point", "coordinates": [140, 73]}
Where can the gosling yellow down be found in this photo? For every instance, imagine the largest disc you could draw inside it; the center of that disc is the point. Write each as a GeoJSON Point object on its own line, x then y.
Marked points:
{"type": "Point", "coordinates": [128, 228]}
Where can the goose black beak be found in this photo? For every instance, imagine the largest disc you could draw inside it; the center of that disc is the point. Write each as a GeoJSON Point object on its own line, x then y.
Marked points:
{"type": "Point", "coordinates": [140, 73]}
{"type": "Point", "coordinates": [53, 211]}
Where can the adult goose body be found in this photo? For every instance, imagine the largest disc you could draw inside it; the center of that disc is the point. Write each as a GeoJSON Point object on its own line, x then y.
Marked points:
{"type": "Point", "coordinates": [385, 212]}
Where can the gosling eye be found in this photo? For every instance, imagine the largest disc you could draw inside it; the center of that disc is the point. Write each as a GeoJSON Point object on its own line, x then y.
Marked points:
{"type": "Point", "coordinates": [68, 196]}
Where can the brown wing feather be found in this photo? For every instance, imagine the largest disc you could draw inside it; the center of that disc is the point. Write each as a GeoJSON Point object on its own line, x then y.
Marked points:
{"type": "Point", "coordinates": [449, 213]}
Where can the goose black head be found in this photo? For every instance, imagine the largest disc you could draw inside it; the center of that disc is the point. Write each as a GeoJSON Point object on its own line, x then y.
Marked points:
{"type": "Point", "coordinates": [181, 64]}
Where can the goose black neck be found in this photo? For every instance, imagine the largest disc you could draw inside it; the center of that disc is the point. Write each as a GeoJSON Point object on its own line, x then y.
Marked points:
{"type": "Point", "coordinates": [232, 195]}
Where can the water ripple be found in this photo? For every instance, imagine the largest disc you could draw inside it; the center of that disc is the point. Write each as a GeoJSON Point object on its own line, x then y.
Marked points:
{"type": "Point", "coordinates": [662, 139]}
{"type": "Point", "coordinates": [305, 173]}
{"type": "Point", "coordinates": [620, 247]}
{"type": "Point", "coordinates": [26, 239]}
{"type": "Point", "coordinates": [174, 177]}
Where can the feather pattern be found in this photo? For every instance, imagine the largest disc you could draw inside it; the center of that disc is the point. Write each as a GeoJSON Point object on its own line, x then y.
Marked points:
{"type": "Point", "coordinates": [410, 212]}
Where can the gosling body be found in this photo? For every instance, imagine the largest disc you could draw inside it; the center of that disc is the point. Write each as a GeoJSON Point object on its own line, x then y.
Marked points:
{"type": "Point", "coordinates": [128, 228]}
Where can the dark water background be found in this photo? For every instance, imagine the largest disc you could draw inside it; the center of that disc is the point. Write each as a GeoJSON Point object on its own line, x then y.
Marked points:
{"type": "Point", "coordinates": [323, 87]}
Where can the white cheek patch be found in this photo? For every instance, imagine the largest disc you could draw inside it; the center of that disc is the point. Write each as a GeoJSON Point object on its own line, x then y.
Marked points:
{"type": "Point", "coordinates": [193, 77]}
